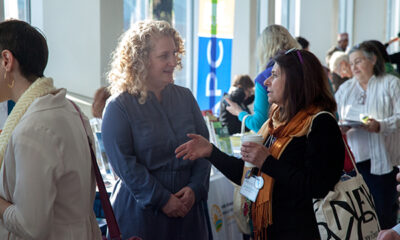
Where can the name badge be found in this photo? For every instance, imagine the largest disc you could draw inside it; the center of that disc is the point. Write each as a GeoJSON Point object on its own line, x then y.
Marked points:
{"type": "Point", "coordinates": [250, 189]}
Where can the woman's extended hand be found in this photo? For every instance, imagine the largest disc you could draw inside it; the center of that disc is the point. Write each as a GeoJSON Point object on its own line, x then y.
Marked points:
{"type": "Point", "coordinates": [197, 147]}
{"type": "Point", "coordinates": [254, 153]}
{"type": "Point", "coordinates": [233, 107]}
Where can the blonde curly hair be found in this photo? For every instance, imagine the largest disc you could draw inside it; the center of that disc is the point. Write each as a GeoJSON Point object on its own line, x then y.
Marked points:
{"type": "Point", "coordinates": [130, 60]}
{"type": "Point", "coordinates": [274, 38]}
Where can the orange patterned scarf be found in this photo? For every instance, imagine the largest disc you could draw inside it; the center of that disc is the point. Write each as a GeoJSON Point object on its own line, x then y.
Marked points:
{"type": "Point", "coordinates": [284, 133]}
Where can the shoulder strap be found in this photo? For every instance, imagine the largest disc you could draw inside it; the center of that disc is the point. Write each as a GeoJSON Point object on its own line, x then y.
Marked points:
{"type": "Point", "coordinates": [112, 224]}
{"type": "Point", "coordinates": [344, 142]}
{"type": "Point", "coordinates": [316, 115]}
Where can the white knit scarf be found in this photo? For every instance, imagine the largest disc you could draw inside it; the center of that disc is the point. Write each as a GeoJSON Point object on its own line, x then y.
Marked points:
{"type": "Point", "coordinates": [40, 87]}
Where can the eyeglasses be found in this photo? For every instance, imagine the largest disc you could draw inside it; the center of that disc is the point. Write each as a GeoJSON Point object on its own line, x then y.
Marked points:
{"type": "Point", "coordinates": [361, 98]}
{"type": "Point", "coordinates": [298, 54]}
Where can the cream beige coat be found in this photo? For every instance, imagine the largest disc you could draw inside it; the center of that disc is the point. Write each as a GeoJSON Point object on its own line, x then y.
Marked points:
{"type": "Point", "coordinates": [47, 175]}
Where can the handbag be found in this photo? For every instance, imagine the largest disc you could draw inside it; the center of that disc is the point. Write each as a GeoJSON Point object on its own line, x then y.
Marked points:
{"type": "Point", "coordinates": [241, 205]}
{"type": "Point", "coordinates": [347, 212]}
{"type": "Point", "coordinates": [112, 224]}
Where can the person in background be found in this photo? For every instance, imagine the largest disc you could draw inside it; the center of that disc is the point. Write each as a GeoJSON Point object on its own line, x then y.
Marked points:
{"type": "Point", "coordinates": [382, 50]}
{"type": "Point", "coordinates": [242, 93]}
{"type": "Point", "coordinates": [305, 45]}
{"type": "Point", "coordinates": [99, 101]}
{"type": "Point", "coordinates": [157, 196]}
{"type": "Point", "coordinates": [342, 41]}
{"type": "Point", "coordinates": [395, 57]}
{"type": "Point", "coordinates": [372, 96]}
{"type": "Point", "coordinates": [300, 159]}
{"type": "Point", "coordinates": [273, 39]}
{"type": "Point", "coordinates": [393, 233]}
{"type": "Point", "coordinates": [339, 69]}
{"type": "Point", "coordinates": [48, 185]}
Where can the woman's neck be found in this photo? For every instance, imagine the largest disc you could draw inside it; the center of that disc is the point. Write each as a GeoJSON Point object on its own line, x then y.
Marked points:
{"type": "Point", "coordinates": [157, 91]}
{"type": "Point", "coordinates": [364, 82]}
{"type": "Point", "coordinates": [20, 86]}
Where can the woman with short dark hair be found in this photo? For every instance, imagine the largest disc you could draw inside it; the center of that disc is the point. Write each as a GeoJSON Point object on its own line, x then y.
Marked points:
{"type": "Point", "coordinates": [48, 187]}
{"type": "Point", "coordinates": [303, 152]}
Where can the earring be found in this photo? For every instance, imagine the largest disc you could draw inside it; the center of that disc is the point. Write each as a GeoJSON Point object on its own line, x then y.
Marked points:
{"type": "Point", "coordinates": [12, 83]}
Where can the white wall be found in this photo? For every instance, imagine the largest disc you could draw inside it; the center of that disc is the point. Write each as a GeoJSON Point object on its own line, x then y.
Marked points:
{"type": "Point", "coordinates": [319, 25]}
{"type": "Point", "coordinates": [369, 20]}
{"type": "Point", "coordinates": [80, 35]}
{"type": "Point", "coordinates": [244, 40]}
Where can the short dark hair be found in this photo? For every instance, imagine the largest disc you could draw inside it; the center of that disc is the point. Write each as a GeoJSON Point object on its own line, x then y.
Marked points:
{"type": "Point", "coordinates": [382, 49]}
{"type": "Point", "coordinates": [28, 46]}
{"type": "Point", "coordinates": [369, 50]}
{"type": "Point", "coordinates": [303, 42]}
{"type": "Point", "coordinates": [306, 83]}
{"type": "Point", "coordinates": [243, 81]}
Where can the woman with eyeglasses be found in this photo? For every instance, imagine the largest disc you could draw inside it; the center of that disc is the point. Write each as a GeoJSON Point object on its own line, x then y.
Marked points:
{"type": "Point", "coordinates": [299, 158]}
{"type": "Point", "coordinates": [373, 97]}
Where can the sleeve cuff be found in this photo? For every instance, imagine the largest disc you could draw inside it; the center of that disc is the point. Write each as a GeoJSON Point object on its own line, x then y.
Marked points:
{"type": "Point", "coordinates": [397, 228]}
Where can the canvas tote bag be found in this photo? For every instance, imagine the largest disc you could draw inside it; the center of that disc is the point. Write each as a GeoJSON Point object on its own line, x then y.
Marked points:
{"type": "Point", "coordinates": [347, 212]}
{"type": "Point", "coordinates": [241, 205]}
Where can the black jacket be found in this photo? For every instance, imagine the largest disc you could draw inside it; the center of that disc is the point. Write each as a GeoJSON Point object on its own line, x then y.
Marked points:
{"type": "Point", "coordinates": [308, 168]}
{"type": "Point", "coordinates": [226, 118]}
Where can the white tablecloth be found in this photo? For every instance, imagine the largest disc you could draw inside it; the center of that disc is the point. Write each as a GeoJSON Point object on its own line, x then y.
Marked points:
{"type": "Point", "coordinates": [220, 207]}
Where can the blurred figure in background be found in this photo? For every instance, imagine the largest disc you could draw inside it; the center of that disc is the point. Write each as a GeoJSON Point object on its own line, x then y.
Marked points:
{"type": "Point", "coordinates": [382, 50]}
{"type": "Point", "coordinates": [393, 233]}
{"type": "Point", "coordinates": [342, 41]}
{"type": "Point", "coordinates": [305, 45]}
{"type": "Point", "coordinates": [242, 93]}
{"type": "Point", "coordinates": [99, 101]}
{"type": "Point", "coordinates": [340, 70]}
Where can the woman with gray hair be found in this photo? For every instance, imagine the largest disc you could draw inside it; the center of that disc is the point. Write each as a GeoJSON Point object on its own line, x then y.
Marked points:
{"type": "Point", "coordinates": [273, 39]}
{"type": "Point", "coordinates": [157, 196]}
{"type": "Point", "coordinates": [340, 69]}
{"type": "Point", "coordinates": [373, 97]}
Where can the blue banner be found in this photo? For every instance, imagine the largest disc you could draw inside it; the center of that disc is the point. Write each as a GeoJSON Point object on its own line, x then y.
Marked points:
{"type": "Point", "coordinates": [214, 71]}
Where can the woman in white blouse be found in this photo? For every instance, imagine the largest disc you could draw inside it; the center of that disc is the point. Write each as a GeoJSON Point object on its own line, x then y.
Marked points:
{"type": "Point", "coordinates": [47, 185]}
{"type": "Point", "coordinates": [373, 97]}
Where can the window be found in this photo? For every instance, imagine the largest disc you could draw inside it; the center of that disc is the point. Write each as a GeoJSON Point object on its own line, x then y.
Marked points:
{"type": "Point", "coordinates": [17, 9]}
{"type": "Point", "coordinates": [393, 24]}
{"type": "Point", "coordinates": [177, 13]}
{"type": "Point", "coordinates": [287, 14]}
{"type": "Point", "coordinates": [346, 9]}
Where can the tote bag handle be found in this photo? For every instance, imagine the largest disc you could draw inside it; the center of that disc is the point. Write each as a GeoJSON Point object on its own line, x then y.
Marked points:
{"type": "Point", "coordinates": [243, 129]}
{"type": "Point", "coordinates": [112, 224]}
{"type": "Point", "coordinates": [344, 142]}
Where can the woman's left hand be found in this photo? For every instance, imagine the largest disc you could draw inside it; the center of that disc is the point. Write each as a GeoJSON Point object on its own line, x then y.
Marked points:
{"type": "Point", "coordinates": [372, 125]}
{"type": "Point", "coordinates": [254, 153]}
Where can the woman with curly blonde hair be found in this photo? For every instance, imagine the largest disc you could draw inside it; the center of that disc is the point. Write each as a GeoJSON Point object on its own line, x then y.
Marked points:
{"type": "Point", "coordinates": [157, 196]}
{"type": "Point", "coordinates": [273, 39]}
